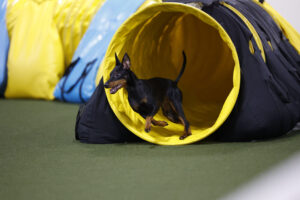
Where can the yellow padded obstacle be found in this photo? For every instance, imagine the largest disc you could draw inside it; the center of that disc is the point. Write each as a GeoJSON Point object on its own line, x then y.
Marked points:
{"type": "Point", "coordinates": [44, 36]}
{"type": "Point", "coordinates": [35, 60]}
{"type": "Point", "coordinates": [72, 19]}
{"type": "Point", "coordinates": [154, 39]}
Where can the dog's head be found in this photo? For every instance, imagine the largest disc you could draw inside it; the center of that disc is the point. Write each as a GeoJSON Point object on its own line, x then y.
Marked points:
{"type": "Point", "coordinates": [119, 75]}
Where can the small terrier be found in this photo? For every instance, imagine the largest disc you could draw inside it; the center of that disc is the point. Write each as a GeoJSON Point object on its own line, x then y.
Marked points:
{"type": "Point", "coordinates": [146, 96]}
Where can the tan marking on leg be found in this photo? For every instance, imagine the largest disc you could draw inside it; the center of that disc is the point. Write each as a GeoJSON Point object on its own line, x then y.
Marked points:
{"type": "Point", "coordinates": [169, 112]}
{"type": "Point", "coordinates": [181, 120]}
{"type": "Point", "coordinates": [186, 133]}
{"type": "Point", "coordinates": [159, 123]}
{"type": "Point", "coordinates": [172, 106]}
{"type": "Point", "coordinates": [148, 124]}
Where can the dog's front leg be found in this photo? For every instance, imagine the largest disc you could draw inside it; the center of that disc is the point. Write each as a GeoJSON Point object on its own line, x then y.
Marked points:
{"type": "Point", "coordinates": [148, 123]}
{"type": "Point", "coordinates": [159, 123]}
{"type": "Point", "coordinates": [149, 117]}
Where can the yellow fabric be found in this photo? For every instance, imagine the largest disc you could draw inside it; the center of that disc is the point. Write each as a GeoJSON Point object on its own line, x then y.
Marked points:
{"type": "Point", "coordinates": [148, 3]}
{"type": "Point", "coordinates": [286, 27]}
{"type": "Point", "coordinates": [73, 18]}
{"type": "Point", "coordinates": [44, 36]}
{"type": "Point", "coordinates": [154, 39]}
{"type": "Point", "coordinates": [251, 28]}
{"type": "Point", "coordinates": [35, 60]}
{"type": "Point", "coordinates": [144, 5]}
{"type": "Point", "coordinates": [12, 13]}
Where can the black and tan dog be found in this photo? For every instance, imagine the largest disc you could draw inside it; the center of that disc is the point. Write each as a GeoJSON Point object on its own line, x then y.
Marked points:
{"type": "Point", "coordinates": [147, 96]}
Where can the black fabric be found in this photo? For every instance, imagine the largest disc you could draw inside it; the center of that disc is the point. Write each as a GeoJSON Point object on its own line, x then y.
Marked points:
{"type": "Point", "coordinates": [4, 84]}
{"type": "Point", "coordinates": [268, 31]}
{"type": "Point", "coordinates": [268, 102]}
{"type": "Point", "coordinates": [96, 123]}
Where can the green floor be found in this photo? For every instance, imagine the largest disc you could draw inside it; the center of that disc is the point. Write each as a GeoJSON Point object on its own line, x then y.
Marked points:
{"type": "Point", "coordinates": [39, 159]}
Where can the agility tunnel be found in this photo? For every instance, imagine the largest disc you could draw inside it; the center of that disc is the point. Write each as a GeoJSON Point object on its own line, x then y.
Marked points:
{"type": "Point", "coordinates": [241, 83]}
{"type": "Point", "coordinates": [241, 80]}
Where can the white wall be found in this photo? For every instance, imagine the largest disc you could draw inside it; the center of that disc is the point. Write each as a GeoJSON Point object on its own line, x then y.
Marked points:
{"type": "Point", "coordinates": [289, 9]}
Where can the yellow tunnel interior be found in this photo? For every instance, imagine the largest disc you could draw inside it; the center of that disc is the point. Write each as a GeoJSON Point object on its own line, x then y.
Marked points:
{"type": "Point", "coordinates": [154, 38]}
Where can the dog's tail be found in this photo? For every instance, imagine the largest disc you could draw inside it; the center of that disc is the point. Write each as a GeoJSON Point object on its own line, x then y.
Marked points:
{"type": "Point", "coordinates": [182, 69]}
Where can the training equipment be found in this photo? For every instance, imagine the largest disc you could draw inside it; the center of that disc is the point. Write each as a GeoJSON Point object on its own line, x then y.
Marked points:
{"type": "Point", "coordinates": [35, 60]}
{"type": "Point", "coordinates": [241, 83]}
{"type": "Point", "coordinates": [78, 83]}
{"type": "Point", "coordinates": [268, 103]}
{"type": "Point", "coordinates": [241, 79]}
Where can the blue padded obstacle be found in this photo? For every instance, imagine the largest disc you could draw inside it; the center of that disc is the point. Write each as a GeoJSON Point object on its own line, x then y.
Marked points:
{"type": "Point", "coordinates": [4, 46]}
{"type": "Point", "coordinates": [78, 83]}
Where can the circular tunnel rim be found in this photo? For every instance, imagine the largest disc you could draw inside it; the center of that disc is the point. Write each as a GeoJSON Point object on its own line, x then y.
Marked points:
{"type": "Point", "coordinates": [232, 96]}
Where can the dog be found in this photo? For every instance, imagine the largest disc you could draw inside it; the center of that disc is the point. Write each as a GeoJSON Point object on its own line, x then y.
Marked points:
{"type": "Point", "coordinates": [146, 96]}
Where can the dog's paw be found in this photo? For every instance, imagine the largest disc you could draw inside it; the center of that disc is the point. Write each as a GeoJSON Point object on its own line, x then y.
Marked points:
{"type": "Point", "coordinates": [163, 123]}
{"type": "Point", "coordinates": [148, 129]}
{"type": "Point", "coordinates": [184, 136]}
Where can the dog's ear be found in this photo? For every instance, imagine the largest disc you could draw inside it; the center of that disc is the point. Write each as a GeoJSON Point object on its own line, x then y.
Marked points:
{"type": "Point", "coordinates": [117, 59]}
{"type": "Point", "coordinates": [126, 61]}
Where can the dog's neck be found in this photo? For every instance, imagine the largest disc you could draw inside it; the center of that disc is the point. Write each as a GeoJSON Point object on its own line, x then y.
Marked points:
{"type": "Point", "coordinates": [132, 79]}
{"type": "Point", "coordinates": [133, 87]}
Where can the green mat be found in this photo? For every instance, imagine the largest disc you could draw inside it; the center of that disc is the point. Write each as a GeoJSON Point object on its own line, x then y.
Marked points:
{"type": "Point", "coordinates": [39, 159]}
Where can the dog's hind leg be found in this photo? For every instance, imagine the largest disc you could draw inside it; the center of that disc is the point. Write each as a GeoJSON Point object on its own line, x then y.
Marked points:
{"type": "Point", "coordinates": [176, 101]}
{"type": "Point", "coordinates": [183, 120]}
{"type": "Point", "coordinates": [169, 111]}
{"type": "Point", "coordinates": [187, 128]}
